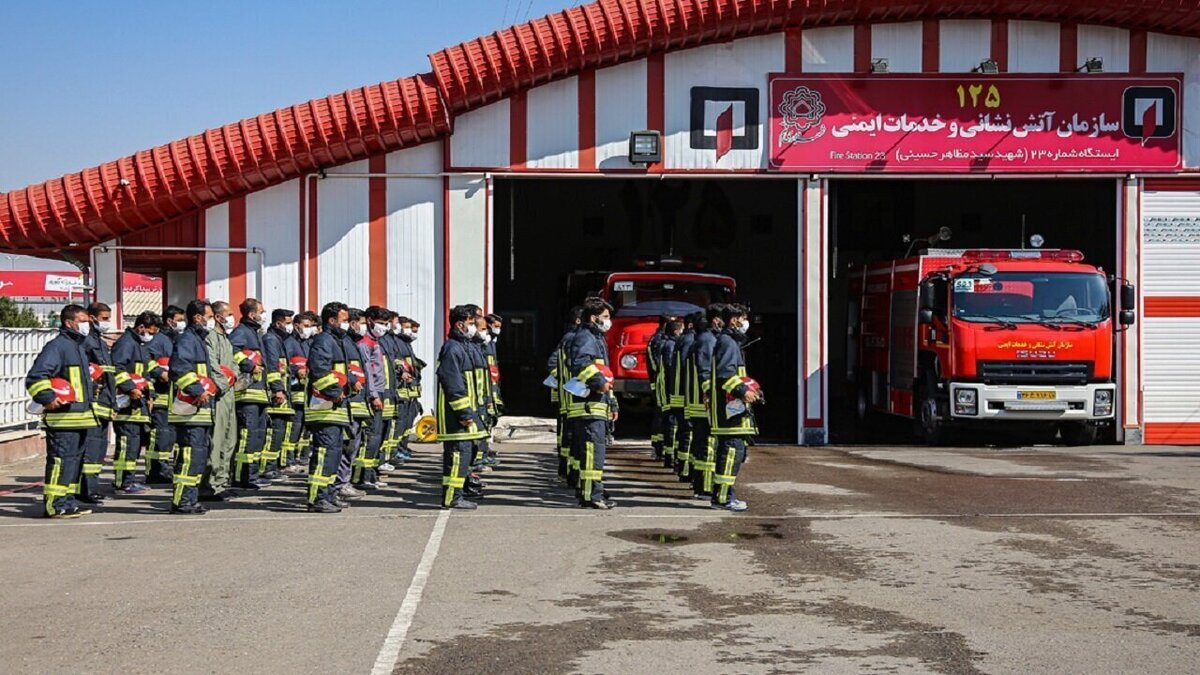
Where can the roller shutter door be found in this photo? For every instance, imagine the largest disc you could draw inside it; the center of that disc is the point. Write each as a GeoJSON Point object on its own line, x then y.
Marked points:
{"type": "Point", "coordinates": [1171, 312]}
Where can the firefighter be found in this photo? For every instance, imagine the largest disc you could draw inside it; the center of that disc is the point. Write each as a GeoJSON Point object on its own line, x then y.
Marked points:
{"type": "Point", "coordinates": [58, 383]}
{"type": "Point", "coordinates": [131, 421]}
{"type": "Point", "coordinates": [160, 453]}
{"type": "Point", "coordinates": [458, 410]}
{"type": "Point", "coordinates": [249, 395]}
{"type": "Point", "coordinates": [104, 385]}
{"type": "Point", "coordinates": [399, 354]}
{"type": "Point", "coordinates": [587, 359]}
{"type": "Point", "coordinates": [493, 323]}
{"type": "Point", "coordinates": [327, 410]}
{"type": "Point", "coordinates": [483, 392]}
{"type": "Point", "coordinates": [191, 407]}
{"type": "Point", "coordinates": [297, 346]}
{"type": "Point", "coordinates": [279, 405]}
{"type": "Point", "coordinates": [667, 387]}
{"type": "Point", "coordinates": [653, 368]}
{"type": "Point", "coordinates": [418, 408]}
{"type": "Point", "coordinates": [215, 486]}
{"type": "Point", "coordinates": [360, 411]}
{"type": "Point", "coordinates": [557, 366]}
{"type": "Point", "coordinates": [679, 378]}
{"type": "Point", "coordinates": [730, 407]}
{"type": "Point", "coordinates": [379, 389]}
{"type": "Point", "coordinates": [696, 403]}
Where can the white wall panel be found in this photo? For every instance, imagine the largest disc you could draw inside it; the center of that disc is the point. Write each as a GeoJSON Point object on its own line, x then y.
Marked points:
{"type": "Point", "coordinates": [1110, 44]}
{"type": "Point", "coordinates": [828, 50]}
{"type": "Point", "coordinates": [1169, 53]}
{"type": "Point", "coordinates": [552, 136]}
{"type": "Point", "coordinates": [1171, 369]}
{"type": "Point", "coordinates": [343, 238]}
{"type": "Point", "coordinates": [899, 43]}
{"type": "Point", "coordinates": [414, 258]}
{"type": "Point", "coordinates": [620, 109]}
{"type": "Point", "coordinates": [481, 137]}
{"type": "Point", "coordinates": [216, 265]}
{"type": "Point", "coordinates": [272, 224]}
{"type": "Point", "coordinates": [963, 45]}
{"type": "Point", "coordinates": [741, 63]}
{"type": "Point", "coordinates": [1171, 252]}
{"type": "Point", "coordinates": [468, 240]}
{"type": "Point", "coordinates": [1033, 47]}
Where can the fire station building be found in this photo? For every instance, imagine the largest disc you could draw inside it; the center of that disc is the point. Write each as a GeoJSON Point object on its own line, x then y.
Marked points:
{"type": "Point", "coordinates": [783, 142]}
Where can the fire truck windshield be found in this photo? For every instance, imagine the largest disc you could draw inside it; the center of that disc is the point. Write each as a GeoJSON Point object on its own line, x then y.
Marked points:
{"type": "Point", "coordinates": [653, 297]}
{"type": "Point", "coordinates": [1030, 297]}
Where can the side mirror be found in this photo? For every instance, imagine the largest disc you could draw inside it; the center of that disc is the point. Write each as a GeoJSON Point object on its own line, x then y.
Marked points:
{"type": "Point", "coordinates": [1128, 296]}
{"type": "Point", "coordinates": [1127, 317]}
{"type": "Point", "coordinates": [925, 316]}
{"type": "Point", "coordinates": [926, 295]}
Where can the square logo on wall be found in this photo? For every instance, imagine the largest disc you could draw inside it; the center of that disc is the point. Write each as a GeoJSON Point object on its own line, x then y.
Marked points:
{"type": "Point", "coordinates": [1148, 112]}
{"type": "Point", "coordinates": [724, 119]}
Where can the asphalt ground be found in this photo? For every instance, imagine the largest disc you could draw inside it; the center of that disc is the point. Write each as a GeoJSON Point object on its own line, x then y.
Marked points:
{"type": "Point", "coordinates": [850, 560]}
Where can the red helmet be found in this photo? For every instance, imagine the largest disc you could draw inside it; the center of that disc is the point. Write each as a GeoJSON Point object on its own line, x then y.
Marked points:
{"type": "Point", "coordinates": [751, 384]}
{"type": "Point", "coordinates": [341, 380]}
{"type": "Point", "coordinates": [185, 404]}
{"type": "Point", "coordinates": [63, 391]}
{"type": "Point", "coordinates": [138, 381]}
{"type": "Point", "coordinates": [230, 376]}
{"type": "Point", "coordinates": [607, 373]}
{"type": "Point", "coordinates": [299, 361]}
{"type": "Point", "coordinates": [357, 371]}
{"type": "Point", "coordinates": [164, 361]}
{"type": "Point", "coordinates": [95, 371]}
{"type": "Point", "coordinates": [495, 370]}
{"type": "Point", "coordinates": [255, 357]}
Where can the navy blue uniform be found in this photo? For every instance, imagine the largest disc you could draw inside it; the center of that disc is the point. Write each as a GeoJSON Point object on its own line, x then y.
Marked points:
{"type": "Point", "coordinates": [160, 454]}
{"type": "Point", "coordinates": [279, 417]}
{"type": "Point", "coordinates": [683, 434]}
{"type": "Point", "coordinates": [699, 381]}
{"type": "Point", "coordinates": [730, 431]}
{"type": "Point", "coordinates": [250, 402]}
{"type": "Point", "coordinates": [590, 414]}
{"type": "Point", "coordinates": [460, 423]}
{"type": "Point", "coordinates": [193, 430]}
{"type": "Point", "coordinates": [96, 446]}
{"type": "Point", "coordinates": [132, 421]}
{"type": "Point", "coordinates": [327, 424]}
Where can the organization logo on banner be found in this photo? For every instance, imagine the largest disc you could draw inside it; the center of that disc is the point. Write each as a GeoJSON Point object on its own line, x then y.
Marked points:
{"type": "Point", "coordinates": [724, 119]}
{"type": "Point", "coordinates": [801, 113]}
{"type": "Point", "coordinates": [1148, 112]}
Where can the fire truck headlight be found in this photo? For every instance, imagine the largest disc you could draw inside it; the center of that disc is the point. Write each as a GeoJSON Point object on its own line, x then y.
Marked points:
{"type": "Point", "coordinates": [629, 361]}
{"type": "Point", "coordinates": [1102, 405]}
{"type": "Point", "coordinates": [966, 402]}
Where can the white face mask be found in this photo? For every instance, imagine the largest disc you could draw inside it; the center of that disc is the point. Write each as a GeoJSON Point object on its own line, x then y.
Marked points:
{"type": "Point", "coordinates": [407, 332]}
{"type": "Point", "coordinates": [496, 331]}
{"type": "Point", "coordinates": [411, 335]}
{"type": "Point", "coordinates": [345, 325]}
{"type": "Point", "coordinates": [229, 324]}
{"type": "Point", "coordinates": [104, 326]}
{"type": "Point", "coordinates": [742, 327]}
{"type": "Point", "coordinates": [604, 325]}
{"type": "Point", "coordinates": [212, 323]}
{"type": "Point", "coordinates": [486, 338]}
{"type": "Point", "coordinates": [289, 328]}
{"type": "Point", "coordinates": [472, 330]}
{"type": "Point", "coordinates": [379, 330]}
{"type": "Point", "coordinates": [84, 328]}
{"type": "Point", "coordinates": [180, 326]}
{"type": "Point", "coordinates": [145, 337]}
{"type": "Point", "coordinates": [308, 331]}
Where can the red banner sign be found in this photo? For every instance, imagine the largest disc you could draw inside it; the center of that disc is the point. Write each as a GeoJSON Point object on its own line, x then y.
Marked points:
{"type": "Point", "coordinates": [38, 284]}
{"type": "Point", "coordinates": [976, 123]}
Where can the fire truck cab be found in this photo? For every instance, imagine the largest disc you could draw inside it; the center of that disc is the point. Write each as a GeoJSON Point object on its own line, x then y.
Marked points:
{"type": "Point", "coordinates": [957, 338]}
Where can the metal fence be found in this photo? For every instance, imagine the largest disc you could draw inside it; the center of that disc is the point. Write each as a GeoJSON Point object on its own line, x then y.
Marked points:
{"type": "Point", "coordinates": [18, 348]}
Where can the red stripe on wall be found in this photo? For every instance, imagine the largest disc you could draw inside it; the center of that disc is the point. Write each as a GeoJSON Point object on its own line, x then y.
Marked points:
{"type": "Point", "coordinates": [446, 254]}
{"type": "Point", "coordinates": [314, 244]}
{"type": "Point", "coordinates": [587, 120]}
{"type": "Point", "coordinates": [1171, 185]}
{"type": "Point", "coordinates": [377, 232]}
{"type": "Point", "coordinates": [237, 239]}
{"type": "Point", "coordinates": [655, 104]}
{"type": "Point", "coordinates": [1068, 47]}
{"type": "Point", "coordinates": [302, 268]}
{"type": "Point", "coordinates": [862, 48]}
{"type": "Point", "coordinates": [1000, 43]}
{"type": "Point", "coordinates": [201, 257]}
{"type": "Point", "coordinates": [1137, 51]}
{"type": "Point", "coordinates": [1158, 306]}
{"type": "Point", "coordinates": [793, 50]}
{"type": "Point", "coordinates": [1171, 433]}
{"type": "Point", "coordinates": [930, 46]}
{"type": "Point", "coordinates": [518, 130]}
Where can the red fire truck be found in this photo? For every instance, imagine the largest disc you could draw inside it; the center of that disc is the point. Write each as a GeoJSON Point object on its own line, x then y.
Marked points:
{"type": "Point", "coordinates": [638, 299]}
{"type": "Point", "coordinates": [957, 338]}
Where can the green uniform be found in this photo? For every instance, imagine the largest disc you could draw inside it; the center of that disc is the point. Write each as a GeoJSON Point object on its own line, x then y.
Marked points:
{"type": "Point", "coordinates": [224, 438]}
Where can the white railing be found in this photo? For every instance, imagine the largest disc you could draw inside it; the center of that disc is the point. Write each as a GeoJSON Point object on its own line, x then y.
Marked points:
{"type": "Point", "coordinates": [18, 348]}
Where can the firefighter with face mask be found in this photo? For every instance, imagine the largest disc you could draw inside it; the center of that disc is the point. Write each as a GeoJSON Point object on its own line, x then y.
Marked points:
{"type": "Point", "coordinates": [250, 395]}
{"type": "Point", "coordinates": [297, 347]}
{"type": "Point", "coordinates": [460, 425]}
{"type": "Point", "coordinates": [654, 368]}
{"type": "Point", "coordinates": [215, 487]}
{"type": "Point", "coordinates": [60, 388]}
{"type": "Point", "coordinates": [696, 402]}
{"type": "Point", "coordinates": [160, 453]}
{"type": "Point", "coordinates": [192, 391]}
{"type": "Point", "coordinates": [557, 366]}
{"type": "Point", "coordinates": [592, 405]}
{"type": "Point", "coordinates": [380, 389]}
{"type": "Point", "coordinates": [731, 416]}
{"type": "Point", "coordinates": [327, 408]}
{"type": "Point", "coordinates": [279, 405]}
{"type": "Point", "coordinates": [678, 401]}
{"type": "Point", "coordinates": [666, 388]}
{"type": "Point", "coordinates": [104, 385]}
{"type": "Point", "coordinates": [131, 413]}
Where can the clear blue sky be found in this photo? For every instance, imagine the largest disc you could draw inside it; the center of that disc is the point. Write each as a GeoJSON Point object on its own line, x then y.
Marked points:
{"type": "Point", "coordinates": [86, 82]}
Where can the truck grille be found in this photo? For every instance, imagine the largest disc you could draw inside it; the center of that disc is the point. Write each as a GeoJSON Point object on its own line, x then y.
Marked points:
{"type": "Point", "coordinates": [1034, 372]}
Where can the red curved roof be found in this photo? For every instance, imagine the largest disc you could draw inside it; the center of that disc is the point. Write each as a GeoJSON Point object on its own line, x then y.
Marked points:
{"type": "Point", "coordinates": [156, 185]}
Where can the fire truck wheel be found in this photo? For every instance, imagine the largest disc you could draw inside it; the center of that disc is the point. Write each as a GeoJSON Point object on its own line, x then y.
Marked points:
{"type": "Point", "coordinates": [1079, 433]}
{"type": "Point", "coordinates": [862, 406]}
{"type": "Point", "coordinates": [931, 416]}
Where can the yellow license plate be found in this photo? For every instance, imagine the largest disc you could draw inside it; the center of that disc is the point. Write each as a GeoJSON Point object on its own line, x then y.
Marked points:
{"type": "Point", "coordinates": [1037, 395]}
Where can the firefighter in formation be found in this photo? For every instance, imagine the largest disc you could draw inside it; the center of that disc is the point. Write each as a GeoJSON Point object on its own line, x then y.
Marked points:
{"type": "Point", "coordinates": [220, 406]}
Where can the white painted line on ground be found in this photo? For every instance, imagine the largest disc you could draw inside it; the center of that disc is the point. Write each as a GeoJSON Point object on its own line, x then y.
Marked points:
{"type": "Point", "coordinates": [700, 514]}
{"type": "Point", "coordinates": [389, 654]}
